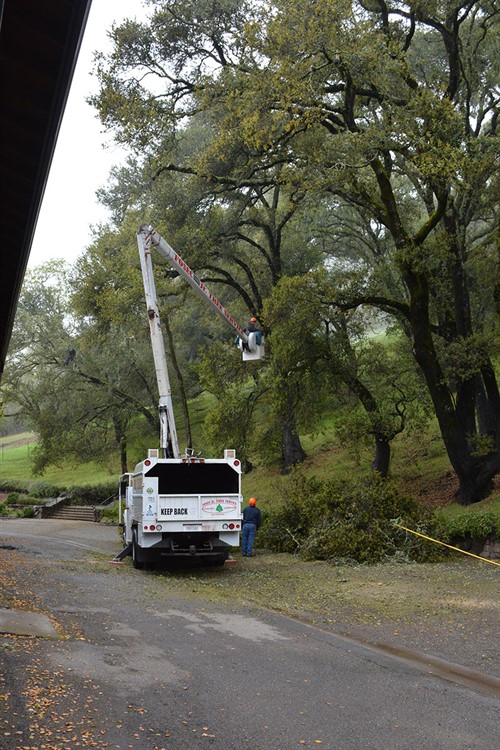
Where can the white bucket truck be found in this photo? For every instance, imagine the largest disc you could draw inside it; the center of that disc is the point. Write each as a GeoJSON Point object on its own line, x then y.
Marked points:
{"type": "Point", "coordinates": [175, 506]}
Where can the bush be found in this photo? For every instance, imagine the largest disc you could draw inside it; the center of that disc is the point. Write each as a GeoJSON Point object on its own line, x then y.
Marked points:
{"type": "Point", "coordinates": [4, 511]}
{"type": "Point", "coordinates": [470, 524]}
{"type": "Point", "coordinates": [11, 485]}
{"type": "Point", "coordinates": [36, 489]}
{"type": "Point", "coordinates": [30, 500]}
{"type": "Point", "coordinates": [92, 494]}
{"type": "Point", "coordinates": [27, 512]}
{"type": "Point", "coordinates": [43, 489]}
{"type": "Point", "coordinates": [110, 513]}
{"type": "Point", "coordinates": [16, 498]}
{"type": "Point", "coordinates": [347, 520]}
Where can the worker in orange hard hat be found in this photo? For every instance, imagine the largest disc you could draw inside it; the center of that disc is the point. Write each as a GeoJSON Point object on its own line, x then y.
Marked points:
{"type": "Point", "coordinates": [252, 519]}
{"type": "Point", "coordinates": [252, 328]}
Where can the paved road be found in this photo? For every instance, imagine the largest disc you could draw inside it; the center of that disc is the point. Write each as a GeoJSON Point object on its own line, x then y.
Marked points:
{"type": "Point", "coordinates": [136, 667]}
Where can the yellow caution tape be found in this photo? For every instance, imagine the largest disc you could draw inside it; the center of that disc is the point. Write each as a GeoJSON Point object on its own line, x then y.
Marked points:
{"type": "Point", "coordinates": [457, 549]}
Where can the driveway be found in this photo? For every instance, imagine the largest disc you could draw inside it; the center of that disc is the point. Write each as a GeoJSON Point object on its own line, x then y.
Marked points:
{"type": "Point", "coordinates": [131, 665]}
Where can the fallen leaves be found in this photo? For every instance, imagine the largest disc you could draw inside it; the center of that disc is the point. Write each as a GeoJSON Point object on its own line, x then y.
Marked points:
{"type": "Point", "coordinates": [315, 742]}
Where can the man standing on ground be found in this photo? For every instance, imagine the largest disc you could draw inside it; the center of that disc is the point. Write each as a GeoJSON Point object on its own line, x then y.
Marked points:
{"type": "Point", "coordinates": [251, 522]}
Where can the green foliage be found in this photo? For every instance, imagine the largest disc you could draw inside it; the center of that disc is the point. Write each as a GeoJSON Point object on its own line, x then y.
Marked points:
{"type": "Point", "coordinates": [36, 489]}
{"type": "Point", "coordinates": [110, 513]}
{"type": "Point", "coordinates": [34, 493]}
{"type": "Point", "coordinates": [79, 377]}
{"type": "Point", "coordinates": [351, 520]}
{"type": "Point", "coordinates": [382, 130]}
{"type": "Point", "coordinates": [15, 498]}
{"type": "Point", "coordinates": [234, 414]}
{"type": "Point", "coordinates": [331, 351]}
{"type": "Point", "coordinates": [94, 494]}
{"type": "Point", "coordinates": [27, 512]}
{"type": "Point", "coordinates": [9, 485]}
{"type": "Point", "coordinates": [470, 524]}
{"type": "Point", "coordinates": [337, 138]}
{"type": "Point", "coordinates": [42, 490]}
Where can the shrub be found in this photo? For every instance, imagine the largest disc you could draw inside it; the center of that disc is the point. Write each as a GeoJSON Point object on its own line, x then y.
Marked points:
{"type": "Point", "coordinates": [4, 511]}
{"type": "Point", "coordinates": [43, 489]}
{"type": "Point", "coordinates": [16, 498]}
{"type": "Point", "coordinates": [92, 494]}
{"type": "Point", "coordinates": [27, 512]}
{"type": "Point", "coordinates": [110, 513]}
{"type": "Point", "coordinates": [30, 500]}
{"type": "Point", "coordinates": [340, 540]}
{"type": "Point", "coordinates": [11, 485]}
{"type": "Point", "coordinates": [36, 489]}
{"type": "Point", "coordinates": [473, 524]}
{"type": "Point", "coordinates": [354, 520]}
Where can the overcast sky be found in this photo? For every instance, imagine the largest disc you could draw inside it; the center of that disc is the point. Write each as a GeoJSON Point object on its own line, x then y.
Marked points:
{"type": "Point", "coordinates": [80, 164]}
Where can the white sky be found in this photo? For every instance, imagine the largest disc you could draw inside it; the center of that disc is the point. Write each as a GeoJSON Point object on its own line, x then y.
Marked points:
{"type": "Point", "coordinates": [80, 165]}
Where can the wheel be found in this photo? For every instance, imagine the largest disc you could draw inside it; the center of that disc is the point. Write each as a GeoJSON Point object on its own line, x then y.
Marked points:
{"type": "Point", "coordinates": [138, 564]}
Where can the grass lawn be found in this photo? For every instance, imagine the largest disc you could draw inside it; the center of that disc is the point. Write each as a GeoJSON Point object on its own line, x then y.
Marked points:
{"type": "Point", "coordinates": [15, 464]}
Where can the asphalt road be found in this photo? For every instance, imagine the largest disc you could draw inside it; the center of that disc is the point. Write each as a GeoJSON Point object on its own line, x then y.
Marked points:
{"type": "Point", "coordinates": [135, 667]}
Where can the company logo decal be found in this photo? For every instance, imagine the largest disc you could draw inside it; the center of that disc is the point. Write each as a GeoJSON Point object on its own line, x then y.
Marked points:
{"type": "Point", "coordinates": [219, 506]}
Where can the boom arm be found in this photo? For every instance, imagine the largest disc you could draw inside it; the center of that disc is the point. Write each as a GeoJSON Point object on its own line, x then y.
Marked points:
{"type": "Point", "coordinates": [146, 237]}
{"type": "Point", "coordinates": [149, 236]}
{"type": "Point", "coordinates": [168, 432]}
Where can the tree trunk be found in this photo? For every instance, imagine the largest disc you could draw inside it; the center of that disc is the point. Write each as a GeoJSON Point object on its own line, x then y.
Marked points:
{"type": "Point", "coordinates": [121, 441]}
{"type": "Point", "coordinates": [123, 455]}
{"type": "Point", "coordinates": [475, 472]}
{"type": "Point", "coordinates": [476, 481]}
{"type": "Point", "coordinates": [292, 451]}
{"type": "Point", "coordinates": [382, 458]}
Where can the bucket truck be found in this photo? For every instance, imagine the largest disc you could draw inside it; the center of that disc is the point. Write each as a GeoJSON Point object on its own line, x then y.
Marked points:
{"type": "Point", "coordinates": [179, 506]}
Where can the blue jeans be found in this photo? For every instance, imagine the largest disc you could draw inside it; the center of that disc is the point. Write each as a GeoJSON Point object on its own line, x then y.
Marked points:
{"type": "Point", "coordinates": [247, 538]}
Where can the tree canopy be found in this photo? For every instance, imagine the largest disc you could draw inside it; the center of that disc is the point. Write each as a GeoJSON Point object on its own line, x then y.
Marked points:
{"type": "Point", "coordinates": [387, 108]}
{"type": "Point", "coordinates": [326, 165]}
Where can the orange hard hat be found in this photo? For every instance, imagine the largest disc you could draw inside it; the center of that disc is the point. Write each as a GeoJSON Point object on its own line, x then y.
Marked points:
{"type": "Point", "coordinates": [253, 320]}
{"type": "Point", "coordinates": [252, 501]}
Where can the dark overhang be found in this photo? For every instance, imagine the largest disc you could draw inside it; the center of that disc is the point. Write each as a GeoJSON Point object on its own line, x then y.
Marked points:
{"type": "Point", "coordinates": [39, 45]}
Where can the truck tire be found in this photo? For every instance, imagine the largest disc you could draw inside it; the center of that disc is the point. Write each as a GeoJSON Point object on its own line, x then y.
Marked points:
{"type": "Point", "coordinates": [138, 564]}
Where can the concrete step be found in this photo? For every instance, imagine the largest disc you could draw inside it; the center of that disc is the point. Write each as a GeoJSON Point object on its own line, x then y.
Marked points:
{"type": "Point", "coordinates": [74, 513]}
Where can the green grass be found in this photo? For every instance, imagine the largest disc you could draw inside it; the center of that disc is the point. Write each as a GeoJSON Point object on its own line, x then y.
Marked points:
{"type": "Point", "coordinates": [15, 464]}
{"type": "Point", "coordinates": [8, 440]}
{"type": "Point", "coordinates": [491, 504]}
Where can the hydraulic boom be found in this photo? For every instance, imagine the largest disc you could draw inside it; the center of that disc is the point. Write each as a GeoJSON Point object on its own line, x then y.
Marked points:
{"type": "Point", "coordinates": [251, 344]}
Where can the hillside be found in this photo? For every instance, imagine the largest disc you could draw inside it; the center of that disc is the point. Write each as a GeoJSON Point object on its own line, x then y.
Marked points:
{"type": "Point", "coordinates": [419, 465]}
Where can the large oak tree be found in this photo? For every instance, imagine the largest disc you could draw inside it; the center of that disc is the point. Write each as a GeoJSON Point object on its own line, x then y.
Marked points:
{"type": "Point", "coordinates": [388, 107]}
